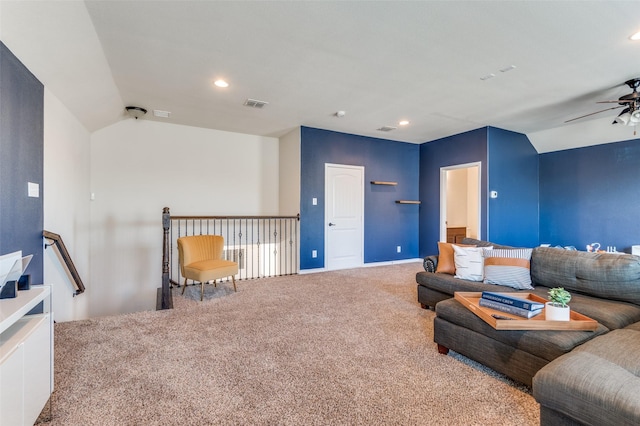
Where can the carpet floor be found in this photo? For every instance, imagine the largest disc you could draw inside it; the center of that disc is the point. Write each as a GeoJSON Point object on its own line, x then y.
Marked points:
{"type": "Point", "coordinates": [349, 347]}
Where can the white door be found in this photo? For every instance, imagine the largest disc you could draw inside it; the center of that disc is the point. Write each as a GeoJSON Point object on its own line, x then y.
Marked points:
{"type": "Point", "coordinates": [344, 213]}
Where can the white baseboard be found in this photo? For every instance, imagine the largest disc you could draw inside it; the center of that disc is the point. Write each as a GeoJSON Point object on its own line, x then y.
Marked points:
{"type": "Point", "coordinates": [311, 271]}
{"type": "Point", "coordinates": [392, 262]}
{"type": "Point", "coordinates": [365, 265]}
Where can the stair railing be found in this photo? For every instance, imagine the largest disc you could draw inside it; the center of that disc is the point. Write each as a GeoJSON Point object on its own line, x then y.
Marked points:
{"type": "Point", "coordinates": [263, 246]}
{"type": "Point", "coordinates": [68, 262]}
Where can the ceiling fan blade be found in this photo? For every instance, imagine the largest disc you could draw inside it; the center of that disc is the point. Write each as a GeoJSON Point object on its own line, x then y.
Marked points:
{"type": "Point", "coordinates": [593, 113]}
{"type": "Point", "coordinates": [619, 101]}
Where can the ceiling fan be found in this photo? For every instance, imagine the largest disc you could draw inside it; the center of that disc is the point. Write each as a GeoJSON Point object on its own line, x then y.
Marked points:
{"type": "Point", "coordinates": [630, 116]}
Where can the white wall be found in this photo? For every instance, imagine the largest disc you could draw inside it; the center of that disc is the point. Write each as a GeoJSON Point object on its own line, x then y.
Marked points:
{"type": "Point", "coordinates": [456, 198]}
{"type": "Point", "coordinates": [473, 201]}
{"type": "Point", "coordinates": [290, 173]}
{"type": "Point", "coordinates": [137, 168]}
{"type": "Point", "coordinates": [66, 205]}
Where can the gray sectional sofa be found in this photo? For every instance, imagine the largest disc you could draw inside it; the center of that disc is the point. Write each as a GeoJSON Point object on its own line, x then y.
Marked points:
{"type": "Point", "coordinates": [578, 377]}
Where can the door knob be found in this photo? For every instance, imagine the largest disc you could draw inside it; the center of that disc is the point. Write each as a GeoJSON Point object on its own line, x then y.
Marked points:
{"type": "Point", "coordinates": [332, 224]}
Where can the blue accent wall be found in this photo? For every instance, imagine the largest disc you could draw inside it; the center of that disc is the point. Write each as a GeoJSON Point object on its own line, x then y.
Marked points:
{"type": "Point", "coordinates": [591, 194]}
{"type": "Point", "coordinates": [21, 161]}
{"type": "Point", "coordinates": [513, 173]}
{"type": "Point", "coordinates": [386, 224]}
{"type": "Point", "coordinates": [463, 148]}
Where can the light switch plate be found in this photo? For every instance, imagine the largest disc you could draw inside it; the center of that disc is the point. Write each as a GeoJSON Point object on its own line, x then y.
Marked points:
{"type": "Point", "coordinates": [33, 190]}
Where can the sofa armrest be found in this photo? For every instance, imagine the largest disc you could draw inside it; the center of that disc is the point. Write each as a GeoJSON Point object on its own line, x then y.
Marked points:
{"type": "Point", "coordinates": [430, 263]}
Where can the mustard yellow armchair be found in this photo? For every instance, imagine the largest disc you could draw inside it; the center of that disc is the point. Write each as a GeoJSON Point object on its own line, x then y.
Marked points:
{"type": "Point", "coordinates": [200, 258]}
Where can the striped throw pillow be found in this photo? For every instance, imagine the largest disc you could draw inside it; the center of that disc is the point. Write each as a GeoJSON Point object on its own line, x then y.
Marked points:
{"type": "Point", "coordinates": [508, 267]}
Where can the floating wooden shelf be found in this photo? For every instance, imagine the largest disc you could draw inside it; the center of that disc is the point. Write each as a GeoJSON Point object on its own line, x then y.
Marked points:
{"type": "Point", "coordinates": [380, 182]}
{"type": "Point", "coordinates": [407, 202]}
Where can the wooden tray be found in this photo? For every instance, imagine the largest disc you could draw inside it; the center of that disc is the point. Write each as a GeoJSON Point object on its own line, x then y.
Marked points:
{"type": "Point", "coordinates": [470, 301]}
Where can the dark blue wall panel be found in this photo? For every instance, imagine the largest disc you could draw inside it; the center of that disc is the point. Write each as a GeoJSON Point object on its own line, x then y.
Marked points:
{"type": "Point", "coordinates": [513, 173]}
{"type": "Point", "coordinates": [590, 195]}
{"type": "Point", "coordinates": [463, 148]}
{"type": "Point", "coordinates": [21, 161]}
{"type": "Point", "coordinates": [386, 224]}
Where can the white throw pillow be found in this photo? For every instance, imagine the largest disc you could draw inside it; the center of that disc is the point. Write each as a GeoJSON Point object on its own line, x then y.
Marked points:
{"type": "Point", "coordinates": [469, 262]}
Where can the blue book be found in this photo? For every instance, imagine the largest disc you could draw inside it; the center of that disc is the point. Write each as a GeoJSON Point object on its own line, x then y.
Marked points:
{"type": "Point", "coordinates": [508, 308]}
{"type": "Point", "coordinates": [518, 302]}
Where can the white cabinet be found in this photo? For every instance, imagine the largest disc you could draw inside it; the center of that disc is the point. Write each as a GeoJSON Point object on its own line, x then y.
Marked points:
{"type": "Point", "coordinates": [11, 403]}
{"type": "Point", "coordinates": [26, 356]}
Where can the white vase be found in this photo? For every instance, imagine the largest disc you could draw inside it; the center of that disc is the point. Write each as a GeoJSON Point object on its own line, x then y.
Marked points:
{"type": "Point", "coordinates": [557, 313]}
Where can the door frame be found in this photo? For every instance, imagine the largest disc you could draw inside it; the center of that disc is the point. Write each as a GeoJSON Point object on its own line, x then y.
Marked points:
{"type": "Point", "coordinates": [326, 212]}
{"type": "Point", "coordinates": [443, 196]}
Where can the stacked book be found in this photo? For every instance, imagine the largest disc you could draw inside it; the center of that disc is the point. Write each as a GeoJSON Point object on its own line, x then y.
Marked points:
{"type": "Point", "coordinates": [510, 304]}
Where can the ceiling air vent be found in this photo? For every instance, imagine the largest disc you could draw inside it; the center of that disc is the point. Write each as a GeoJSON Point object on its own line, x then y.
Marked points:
{"type": "Point", "coordinates": [254, 103]}
{"type": "Point", "coordinates": [386, 128]}
{"type": "Point", "coordinates": [161, 114]}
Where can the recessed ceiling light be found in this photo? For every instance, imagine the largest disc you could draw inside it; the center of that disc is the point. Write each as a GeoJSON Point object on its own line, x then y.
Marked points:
{"type": "Point", "coordinates": [635, 37]}
{"type": "Point", "coordinates": [403, 122]}
{"type": "Point", "coordinates": [221, 83]}
{"type": "Point", "coordinates": [487, 77]}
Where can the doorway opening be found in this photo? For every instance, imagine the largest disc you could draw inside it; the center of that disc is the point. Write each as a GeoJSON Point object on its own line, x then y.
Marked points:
{"type": "Point", "coordinates": [460, 202]}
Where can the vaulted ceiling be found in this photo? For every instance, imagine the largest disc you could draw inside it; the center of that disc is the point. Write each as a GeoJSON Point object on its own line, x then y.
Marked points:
{"type": "Point", "coordinates": [445, 66]}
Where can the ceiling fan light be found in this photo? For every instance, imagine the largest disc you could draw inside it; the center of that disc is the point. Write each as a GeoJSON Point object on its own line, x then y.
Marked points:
{"type": "Point", "coordinates": [623, 118]}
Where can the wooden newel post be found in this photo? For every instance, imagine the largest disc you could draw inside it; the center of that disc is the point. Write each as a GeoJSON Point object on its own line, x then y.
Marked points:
{"type": "Point", "coordinates": [167, 300]}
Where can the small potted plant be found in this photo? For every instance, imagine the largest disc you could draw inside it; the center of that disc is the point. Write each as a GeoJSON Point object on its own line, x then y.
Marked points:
{"type": "Point", "coordinates": [556, 309]}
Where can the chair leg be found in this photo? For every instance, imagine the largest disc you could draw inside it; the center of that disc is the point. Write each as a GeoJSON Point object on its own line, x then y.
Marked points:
{"type": "Point", "coordinates": [184, 287]}
{"type": "Point", "coordinates": [233, 278]}
{"type": "Point", "coordinates": [201, 291]}
{"type": "Point", "coordinates": [215, 283]}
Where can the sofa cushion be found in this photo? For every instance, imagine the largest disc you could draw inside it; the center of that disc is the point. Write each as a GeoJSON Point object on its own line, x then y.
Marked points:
{"type": "Point", "coordinates": [546, 344]}
{"type": "Point", "coordinates": [508, 267]}
{"type": "Point", "coordinates": [597, 383]}
{"type": "Point", "coordinates": [482, 243]}
{"type": "Point", "coordinates": [610, 313]}
{"type": "Point", "coordinates": [635, 326]}
{"type": "Point", "coordinates": [447, 284]}
{"type": "Point", "coordinates": [605, 275]}
{"type": "Point", "coordinates": [446, 262]}
{"type": "Point", "coordinates": [469, 263]}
